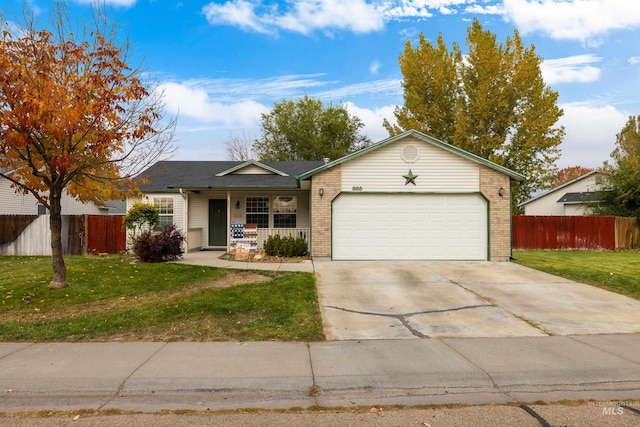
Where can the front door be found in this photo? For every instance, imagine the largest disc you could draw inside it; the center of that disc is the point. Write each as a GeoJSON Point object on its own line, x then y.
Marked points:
{"type": "Point", "coordinates": [217, 222]}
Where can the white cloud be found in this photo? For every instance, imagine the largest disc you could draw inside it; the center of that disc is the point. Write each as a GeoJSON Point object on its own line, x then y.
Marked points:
{"type": "Point", "coordinates": [402, 9]}
{"type": "Point", "coordinates": [492, 9]}
{"type": "Point", "coordinates": [634, 60]}
{"type": "Point", "coordinates": [572, 19]}
{"type": "Point", "coordinates": [239, 13]}
{"type": "Point", "coordinates": [125, 3]}
{"type": "Point", "coordinates": [14, 29]}
{"type": "Point", "coordinates": [209, 111]}
{"type": "Point", "coordinates": [407, 11]}
{"type": "Point", "coordinates": [375, 66]}
{"type": "Point", "coordinates": [590, 133]}
{"type": "Point", "coordinates": [372, 119]}
{"type": "Point", "coordinates": [307, 16]}
{"type": "Point", "coordinates": [375, 88]}
{"type": "Point", "coordinates": [236, 89]}
{"type": "Point", "coordinates": [194, 102]}
{"type": "Point", "coordinates": [571, 69]}
{"type": "Point", "coordinates": [301, 16]}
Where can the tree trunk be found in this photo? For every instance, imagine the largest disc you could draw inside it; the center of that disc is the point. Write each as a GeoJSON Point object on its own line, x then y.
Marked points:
{"type": "Point", "coordinates": [55, 224]}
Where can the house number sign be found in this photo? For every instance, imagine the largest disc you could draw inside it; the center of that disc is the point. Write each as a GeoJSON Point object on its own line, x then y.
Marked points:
{"type": "Point", "coordinates": [356, 188]}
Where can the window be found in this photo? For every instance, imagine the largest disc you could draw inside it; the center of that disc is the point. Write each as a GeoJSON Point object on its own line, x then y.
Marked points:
{"type": "Point", "coordinates": [284, 211]}
{"type": "Point", "coordinates": [165, 209]}
{"type": "Point", "coordinates": [42, 210]}
{"type": "Point", "coordinates": [258, 211]}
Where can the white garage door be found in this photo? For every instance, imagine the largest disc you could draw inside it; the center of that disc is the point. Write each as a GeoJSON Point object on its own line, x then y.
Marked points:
{"type": "Point", "coordinates": [409, 226]}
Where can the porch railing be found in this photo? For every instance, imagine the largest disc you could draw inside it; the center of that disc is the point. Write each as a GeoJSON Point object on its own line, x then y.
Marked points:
{"type": "Point", "coordinates": [264, 233]}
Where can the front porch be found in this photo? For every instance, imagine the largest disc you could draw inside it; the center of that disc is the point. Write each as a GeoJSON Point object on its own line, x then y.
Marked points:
{"type": "Point", "coordinates": [194, 237]}
{"type": "Point", "coordinates": [209, 216]}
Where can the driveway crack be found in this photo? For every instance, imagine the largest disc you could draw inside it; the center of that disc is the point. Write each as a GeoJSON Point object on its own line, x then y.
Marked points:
{"type": "Point", "coordinates": [17, 350]}
{"type": "Point", "coordinates": [402, 317]}
{"type": "Point", "coordinates": [493, 383]}
{"type": "Point", "coordinates": [493, 304]}
{"type": "Point", "coordinates": [121, 386]}
{"type": "Point", "coordinates": [576, 339]}
{"type": "Point", "coordinates": [314, 391]}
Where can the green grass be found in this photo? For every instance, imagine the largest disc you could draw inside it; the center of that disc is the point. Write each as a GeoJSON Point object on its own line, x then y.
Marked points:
{"type": "Point", "coordinates": [113, 299]}
{"type": "Point", "coordinates": [615, 271]}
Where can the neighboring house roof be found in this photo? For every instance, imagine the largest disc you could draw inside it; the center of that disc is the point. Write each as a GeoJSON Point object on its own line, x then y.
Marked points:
{"type": "Point", "coordinates": [115, 207]}
{"type": "Point", "coordinates": [582, 197]}
{"type": "Point", "coordinates": [426, 138]}
{"type": "Point", "coordinates": [172, 175]}
{"type": "Point", "coordinates": [559, 188]}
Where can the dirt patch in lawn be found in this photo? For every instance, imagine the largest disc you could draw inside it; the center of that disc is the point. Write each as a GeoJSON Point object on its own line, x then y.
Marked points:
{"type": "Point", "coordinates": [236, 278]}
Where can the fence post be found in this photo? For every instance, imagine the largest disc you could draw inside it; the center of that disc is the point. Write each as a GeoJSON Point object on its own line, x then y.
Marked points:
{"type": "Point", "coordinates": [85, 235]}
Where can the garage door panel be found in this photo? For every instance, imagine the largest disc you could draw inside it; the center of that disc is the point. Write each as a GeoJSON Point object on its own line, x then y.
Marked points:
{"type": "Point", "coordinates": [409, 226]}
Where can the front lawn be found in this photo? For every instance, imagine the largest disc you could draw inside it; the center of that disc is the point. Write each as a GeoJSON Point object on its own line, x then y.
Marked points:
{"type": "Point", "coordinates": [114, 299]}
{"type": "Point", "coordinates": [615, 271]}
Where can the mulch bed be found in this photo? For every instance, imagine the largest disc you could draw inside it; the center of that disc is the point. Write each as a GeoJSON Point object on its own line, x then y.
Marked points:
{"type": "Point", "coordinates": [262, 258]}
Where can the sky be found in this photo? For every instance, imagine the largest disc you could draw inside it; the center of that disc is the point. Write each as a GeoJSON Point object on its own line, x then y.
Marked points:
{"type": "Point", "coordinates": [223, 63]}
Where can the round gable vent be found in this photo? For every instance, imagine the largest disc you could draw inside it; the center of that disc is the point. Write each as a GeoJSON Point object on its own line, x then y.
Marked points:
{"type": "Point", "coordinates": [410, 153]}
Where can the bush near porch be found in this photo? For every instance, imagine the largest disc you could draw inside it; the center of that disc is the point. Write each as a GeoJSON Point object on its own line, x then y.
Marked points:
{"type": "Point", "coordinates": [613, 271]}
{"type": "Point", "coordinates": [287, 246]}
{"type": "Point", "coordinates": [113, 299]}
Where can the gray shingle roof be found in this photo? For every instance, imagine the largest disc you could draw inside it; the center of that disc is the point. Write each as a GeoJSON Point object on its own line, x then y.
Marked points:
{"type": "Point", "coordinates": [583, 197]}
{"type": "Point", "coordinates": [171, 175]}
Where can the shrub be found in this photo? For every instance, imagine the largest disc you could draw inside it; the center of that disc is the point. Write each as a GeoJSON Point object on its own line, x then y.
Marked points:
{"type": "Point", "coordinates": [141, 217]}
{"type": "Point", "coordinates": [157, 247]}
{"type": "Point", "coordinates": [285, 246]}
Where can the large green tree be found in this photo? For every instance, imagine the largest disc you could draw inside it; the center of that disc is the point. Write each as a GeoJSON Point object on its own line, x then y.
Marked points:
{"type": "Point", "coordinates": [306, 129]}
{"type": "Point", "coordinates": [491, 102]}
{"type": "Point", "coordinates": [622, 197]}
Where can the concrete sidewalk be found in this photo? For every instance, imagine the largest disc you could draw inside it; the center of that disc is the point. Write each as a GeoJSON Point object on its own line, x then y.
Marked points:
{"type": "Point", "coordinates": [150, 377]}
{"type": "Point", "coordinates": [212, 259]}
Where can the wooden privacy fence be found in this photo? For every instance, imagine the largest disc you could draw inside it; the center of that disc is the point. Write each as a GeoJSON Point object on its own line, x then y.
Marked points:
{"type": "Point", "coordinates": [81, 234]}
{"type": "Point", "coordinates": [575, 232]}
{"type": "Point", "coordinates": [105, 234]}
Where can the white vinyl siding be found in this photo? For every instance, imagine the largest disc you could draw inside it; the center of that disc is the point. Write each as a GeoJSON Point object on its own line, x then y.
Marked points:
{"type": "Point", "coordinates": [178, 205]}
{"type": "Point", "coordinates": [409, 227]}
{"type": "Point", "coordinates": [437, 170]}
{"type": "Point", "coordinates": [26, 204]}
{"type": "Point", "coordinates": [547, 204]}
{"type": "Point", "coordinates": [578, 209]}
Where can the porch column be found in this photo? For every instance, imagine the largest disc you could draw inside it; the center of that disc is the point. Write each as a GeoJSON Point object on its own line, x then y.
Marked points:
{"type": "Point", "coordinates": [228, 220]}
{"type": "Point", "coordinates": [185, 217]}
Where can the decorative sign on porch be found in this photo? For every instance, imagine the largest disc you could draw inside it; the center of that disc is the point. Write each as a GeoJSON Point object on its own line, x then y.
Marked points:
{"type": "Point", "coordinates": [244, 240]}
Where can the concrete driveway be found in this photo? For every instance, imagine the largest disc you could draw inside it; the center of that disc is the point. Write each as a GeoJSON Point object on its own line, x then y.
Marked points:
{"type": "Point", "coordinates": [423, 299]}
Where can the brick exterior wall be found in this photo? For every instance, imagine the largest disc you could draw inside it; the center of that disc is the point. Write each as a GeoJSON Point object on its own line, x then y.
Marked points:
{"type": "Point", "coordinates": [330, 181]}
{"type": "Point", "coordinates": [499, 211]}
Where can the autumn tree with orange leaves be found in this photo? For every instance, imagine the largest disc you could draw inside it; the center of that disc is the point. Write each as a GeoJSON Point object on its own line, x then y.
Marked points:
{"type": "Point", "coordinates": [568, 174]}
{"type": "Point", "coordinates": [75, 118]}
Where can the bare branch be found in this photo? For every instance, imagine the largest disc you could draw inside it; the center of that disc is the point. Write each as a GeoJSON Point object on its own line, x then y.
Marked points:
{"type": "Point", "coordinates": [240, 147]}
